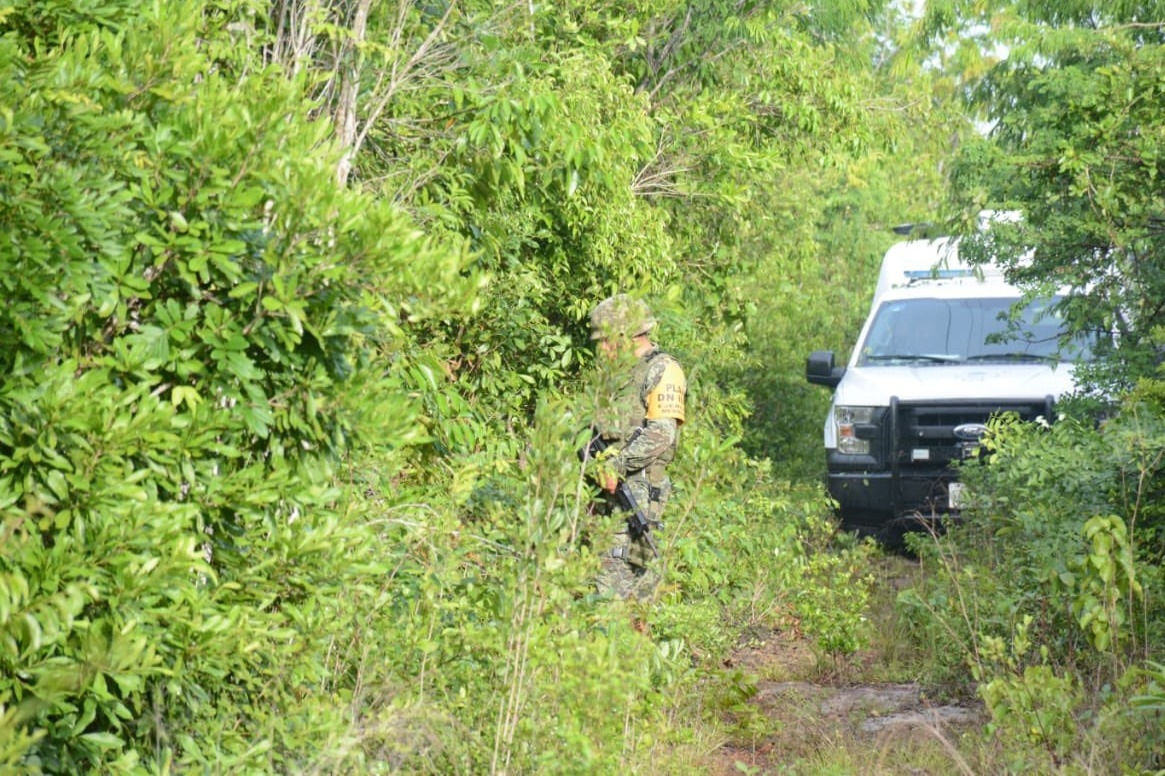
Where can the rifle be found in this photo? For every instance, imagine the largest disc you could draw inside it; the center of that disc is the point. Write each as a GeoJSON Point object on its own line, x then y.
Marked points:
{"type": "Point", "coordinates": [638, 526]}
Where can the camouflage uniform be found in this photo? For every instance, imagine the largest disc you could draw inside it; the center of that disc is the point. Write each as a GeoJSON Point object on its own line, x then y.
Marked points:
{"type": "Point", "coordinates": [640, 417]}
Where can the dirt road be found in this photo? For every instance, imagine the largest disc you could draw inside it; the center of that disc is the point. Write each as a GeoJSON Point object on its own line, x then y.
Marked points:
{"type": "Point", "coordinates": [799, 713]}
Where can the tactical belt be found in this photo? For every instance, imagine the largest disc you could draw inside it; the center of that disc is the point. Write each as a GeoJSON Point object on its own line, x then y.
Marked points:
{"type": "Point", "coordinates": [652, 474]}
{"type": "Point", "coordinates": [655, 472]}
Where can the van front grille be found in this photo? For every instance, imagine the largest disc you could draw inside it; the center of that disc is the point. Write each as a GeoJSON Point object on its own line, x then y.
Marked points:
{"type": "Point", "coordinates": [926, 437]}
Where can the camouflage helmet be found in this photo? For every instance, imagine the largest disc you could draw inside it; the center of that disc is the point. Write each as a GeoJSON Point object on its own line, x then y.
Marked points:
{"type": "Point", "coordinates": [621, 315]}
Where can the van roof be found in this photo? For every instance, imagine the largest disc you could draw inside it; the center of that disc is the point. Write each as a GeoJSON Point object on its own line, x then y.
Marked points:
{"type": "Point", "coordinates": [952, 288]}
{"type": "Point", "coordinates": [932, 263]}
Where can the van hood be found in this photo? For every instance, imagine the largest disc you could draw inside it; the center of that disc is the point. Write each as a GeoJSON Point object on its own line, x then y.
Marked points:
{"type": "Point", "coordinates": [874, 385]}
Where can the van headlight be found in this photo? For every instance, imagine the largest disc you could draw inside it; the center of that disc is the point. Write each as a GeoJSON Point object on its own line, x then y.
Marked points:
{"type": "Point", "coordinates": [854, 428]}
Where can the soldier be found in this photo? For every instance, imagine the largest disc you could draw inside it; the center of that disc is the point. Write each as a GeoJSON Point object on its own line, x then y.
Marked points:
{"type": "Point", "coordinates": [638, 420]}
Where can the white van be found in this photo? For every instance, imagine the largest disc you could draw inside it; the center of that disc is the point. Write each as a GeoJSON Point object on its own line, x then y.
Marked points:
{"type": "Point", "coordinates": [936, 358]}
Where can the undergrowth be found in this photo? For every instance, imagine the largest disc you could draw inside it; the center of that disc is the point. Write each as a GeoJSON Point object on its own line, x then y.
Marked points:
{"type": "Point", "coordinates": [1047, 601]}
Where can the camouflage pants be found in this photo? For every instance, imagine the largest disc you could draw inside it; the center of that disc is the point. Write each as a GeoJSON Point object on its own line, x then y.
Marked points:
{"type": "Point", "coordinates": [630, 568]}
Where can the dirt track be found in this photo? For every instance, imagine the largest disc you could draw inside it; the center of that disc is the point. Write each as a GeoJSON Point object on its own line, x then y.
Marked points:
{"type": "Point", "coordinates": [810, 718]}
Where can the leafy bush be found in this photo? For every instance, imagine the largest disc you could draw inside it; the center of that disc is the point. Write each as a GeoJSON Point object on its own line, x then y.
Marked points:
{"type": "Point", "coordinates": [191, 299]}
{"type": "Point", "coordinates": [1059, 552]}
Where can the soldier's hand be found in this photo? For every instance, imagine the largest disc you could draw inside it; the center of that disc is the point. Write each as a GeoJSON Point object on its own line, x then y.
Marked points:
{"type": "Point", "coordinates": [603, 473]}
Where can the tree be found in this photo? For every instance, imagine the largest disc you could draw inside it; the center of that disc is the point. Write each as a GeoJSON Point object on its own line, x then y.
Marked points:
{"type": "Point", "coordinates": [194, 310]}
{"type": "Point", "coordinates": [1074, 146]}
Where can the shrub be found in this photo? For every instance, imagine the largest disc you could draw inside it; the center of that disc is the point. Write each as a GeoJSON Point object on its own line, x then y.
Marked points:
{"type": "Point", "coordinates": [191, 299]}
{"type": "Point", "coordinates": [1059, 558]}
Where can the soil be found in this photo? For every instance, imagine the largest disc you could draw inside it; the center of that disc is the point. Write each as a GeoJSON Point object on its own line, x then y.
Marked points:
{"type": "Point", "coordinates": [808, 716]}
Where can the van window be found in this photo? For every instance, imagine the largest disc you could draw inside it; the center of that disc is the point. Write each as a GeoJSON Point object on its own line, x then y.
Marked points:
{"type": "Point", "coordinates": [938, 330]}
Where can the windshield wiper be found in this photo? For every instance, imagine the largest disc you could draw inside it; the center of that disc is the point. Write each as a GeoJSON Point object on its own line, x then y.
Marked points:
{"type": "Point", "coordinates": [936, 359]}
{"type": "Point", "coordinates": [1011, 357]}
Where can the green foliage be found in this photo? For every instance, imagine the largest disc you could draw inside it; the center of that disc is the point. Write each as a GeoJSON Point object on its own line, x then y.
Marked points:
{"type": "Point", "coordinates": [661, 149]}
{"type": "Point", "coordinates": [1060, 558]}
{"type": "Point", "coordinates": [825, 230]}
{"type": "Point", "coordinates": [834, 596]}
{"type": "Point", "coordinates": [1030, 701]}
{"type": "Point", "coordinates": [1066, 516]}
{"type": "Point", "coordinates": [487, 611]}
{"type": "Point", "coordinates": [1153, 699]}
{"type": "Point", "coordinates": [1107, 581]}
{"type": "Point", "coordinates": [763, 556]}
{"type": "Point", "coordinates": [1074, 148]}
{"type": "Point", "coordinates": [193, 303]}
{"type": "Point", "coordinates": [486, 631]}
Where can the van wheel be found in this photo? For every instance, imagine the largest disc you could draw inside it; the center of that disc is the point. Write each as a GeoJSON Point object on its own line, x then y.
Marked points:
{"type": "Point", "coordinates": [860, 530]}
{"type": "Point", "coordinates": [893, 534]}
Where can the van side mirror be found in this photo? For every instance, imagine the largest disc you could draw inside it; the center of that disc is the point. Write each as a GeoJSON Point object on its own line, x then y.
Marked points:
{"type": "Point", "coordinates": [820, 369]}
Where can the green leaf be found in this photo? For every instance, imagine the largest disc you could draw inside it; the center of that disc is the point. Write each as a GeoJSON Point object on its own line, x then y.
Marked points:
{"type": "Point", "coordinates": [103, 741]}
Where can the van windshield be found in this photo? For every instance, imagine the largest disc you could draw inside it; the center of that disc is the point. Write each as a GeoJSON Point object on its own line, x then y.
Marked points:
{"type": "Point", "coordinates": [940, 331]}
